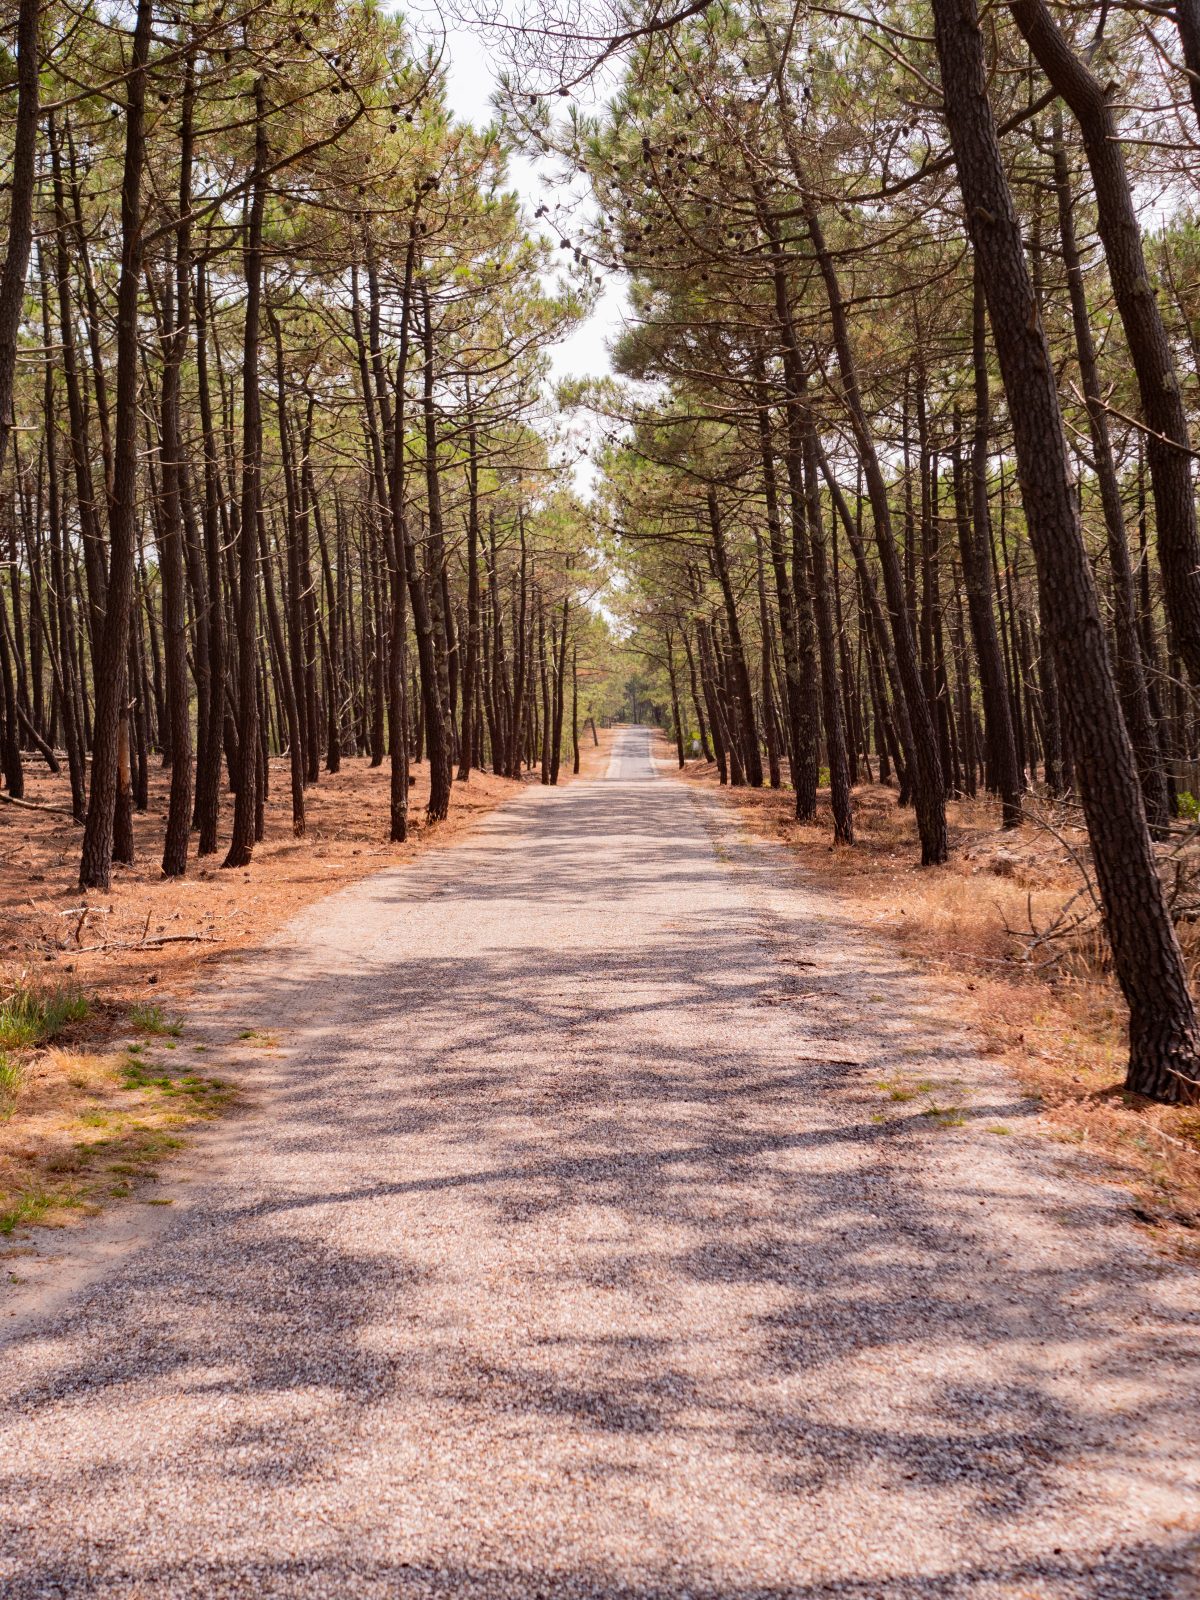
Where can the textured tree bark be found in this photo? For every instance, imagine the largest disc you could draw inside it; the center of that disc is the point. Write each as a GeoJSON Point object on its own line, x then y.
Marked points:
{"type": "Point", "coordinates": [575, 709]}
{"type": "Point", "coordinates": [20, 209]}
{"type": "Point", "coordinates": [835, 724]}
{"type": "Point", "coordinates": [1187, 20]}
{"type": "Point", "coordinates": [95, 867]}
{"type": "Point", "coordinates": [208, 772]}
{"type": "Point", "coordinates": [437, 692]}
{"type": "Point", "coordinates": [975, 549]}
{"type": "Point", "coordinates": [770, 722]}
{"type": "Point", "coordinates": [676, 721]}
{"type": "Point", "coordinates": [751, 754]}
{"type": "Point", "coordinates": [804, 665]}
{"type": "Point", "coordinates": [1164, 1043]}
{"type": "Point", "coordinates": [176, 327]}
{"type": "Point", "coordinates": [247, 802]}
{"type": "Point", "coordinates": [794, 687]}
{"type": "Point", "coordinates": [467, 733]}
{"type": "Point", "coordinates": [560, 688]}
{"type": "Point", "coordinates": [702, 726]}
{"type": "Point", "coordinates": [1131, 676]}
{"type": "Point", "coordinates": [716, 718]}
{"type": "Point", "coordinates": [62, 655]}
{"type": "Point", "coordinates": [398, 712]}
{"type": "Point", "coordinates": [1168, 443]}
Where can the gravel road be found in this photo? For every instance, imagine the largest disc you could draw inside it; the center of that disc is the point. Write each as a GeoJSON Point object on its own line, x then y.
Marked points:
{"type": "Point", "coordinates": [568, 1245]}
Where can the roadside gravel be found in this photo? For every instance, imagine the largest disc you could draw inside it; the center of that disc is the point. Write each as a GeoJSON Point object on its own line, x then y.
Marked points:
{"type": "Point", "coordinates": [609, 1218]}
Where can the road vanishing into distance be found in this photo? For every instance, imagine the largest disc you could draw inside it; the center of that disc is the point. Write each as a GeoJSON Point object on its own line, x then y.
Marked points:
{"type": "Point", "coordinates": [605, 1215]}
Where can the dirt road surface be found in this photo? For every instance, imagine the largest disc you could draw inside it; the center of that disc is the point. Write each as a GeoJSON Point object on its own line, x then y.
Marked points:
{"type": "Point", "coordinates": [606, 1217]}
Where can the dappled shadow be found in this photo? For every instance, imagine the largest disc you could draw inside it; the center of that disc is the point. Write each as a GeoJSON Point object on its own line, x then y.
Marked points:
{"type": "Point", "coordinates": [568, 1170]}
{"type": "Point", "coordinates": [1133, 1569]}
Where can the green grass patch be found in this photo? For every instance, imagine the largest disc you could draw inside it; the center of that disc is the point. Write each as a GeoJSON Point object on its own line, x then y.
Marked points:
{"type": "Point", "coordinates": [205, 1096]}
{"type": "Point", "coordinates": [29, 1017]}
{"type": "Point", "coordinates": [897, 1089]}
{"type": "Point", "coordinates": [945, 1116]}
{"type": "Point", "coordinates": [152, 1019]}
{"type": "Point", "coordinates": [12, 1074]}
{"type": "Point", "coordinates": [33, 1207]}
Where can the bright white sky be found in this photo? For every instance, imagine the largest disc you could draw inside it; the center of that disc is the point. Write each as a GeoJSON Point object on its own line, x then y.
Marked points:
{"type": "Point", "coordinates": [471, 82]}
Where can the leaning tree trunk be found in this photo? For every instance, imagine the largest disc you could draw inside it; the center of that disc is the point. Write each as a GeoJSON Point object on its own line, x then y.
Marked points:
{"type": "Point", "coordinates": [1164, 1042]}
{"type": "Point", "coordinates": [1168, 446]}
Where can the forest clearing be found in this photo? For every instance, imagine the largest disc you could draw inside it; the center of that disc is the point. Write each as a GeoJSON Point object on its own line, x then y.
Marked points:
{"type": "Point", "coordinates": [600, 799]}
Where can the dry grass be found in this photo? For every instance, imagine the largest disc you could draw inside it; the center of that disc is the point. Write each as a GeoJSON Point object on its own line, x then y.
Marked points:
{"type": "Point", "coordinates": [87, 1127]}
{"type": "Point", "coordinates": [1060, 1028]}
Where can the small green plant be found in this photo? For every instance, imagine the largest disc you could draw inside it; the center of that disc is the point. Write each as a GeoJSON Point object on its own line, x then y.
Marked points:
{"type": "Point", "coordinates": [11, 1075]}
{"type": "Point", "coordinates": [33, 1207]}
{"type": "Point", "coordinates": [945, 1116]}
{"type": "Point", "coordinates": [28, 1018]}
{"type": "Point", "coordinates": [897, 1089]}
{"type": "Point", "coordinates": [206, 1094]}
{"type": "Point", "coordinates": [154, 1020]}
{"type": "Point", "coordinates": [1188, 805]}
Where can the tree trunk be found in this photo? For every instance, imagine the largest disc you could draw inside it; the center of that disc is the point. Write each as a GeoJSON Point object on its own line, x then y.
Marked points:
{"type": "Point", "coordinates": [95, 868]}
{"type": "Point", "coordinates": [247, 807]}
{"type": "Point", "coordinates": [1164, 1044]}
{"type": "Point", "coordinates": [1168, 445]}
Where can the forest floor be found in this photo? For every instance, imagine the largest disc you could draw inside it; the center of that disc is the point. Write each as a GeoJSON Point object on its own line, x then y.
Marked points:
{"type": "Point", "coordinates": [607, 1213]}
{"type": "Point", "coordinates": [95, 1091]}
{"type": "Point", "coordinates": [1057, 1024]}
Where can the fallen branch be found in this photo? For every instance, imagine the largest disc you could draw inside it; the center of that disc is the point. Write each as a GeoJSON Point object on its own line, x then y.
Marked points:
{"type": "Point", "coordinates": [153, 944]}
{"type": "Point", "coordinates": [34, 805]}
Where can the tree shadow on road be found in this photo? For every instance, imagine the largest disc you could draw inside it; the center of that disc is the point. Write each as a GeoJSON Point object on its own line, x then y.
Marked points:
{"type": "Point", "coordinates": [662, 1118]}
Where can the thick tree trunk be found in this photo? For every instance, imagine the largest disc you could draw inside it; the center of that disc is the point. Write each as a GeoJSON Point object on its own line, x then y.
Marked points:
{"type": "Point", "coordinates": [1164, 1043]}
